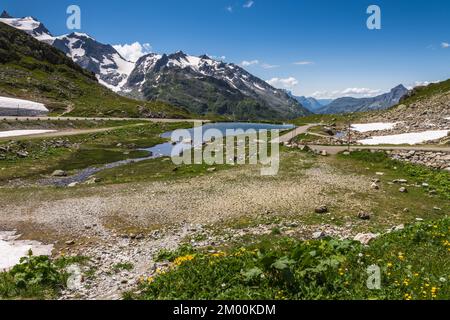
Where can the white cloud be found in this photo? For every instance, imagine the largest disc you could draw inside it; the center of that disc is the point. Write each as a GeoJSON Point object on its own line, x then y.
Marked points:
{"type": "Point", "coordinates": [132, 52]}
{"type": "Point", "coordinates": [221, 58]}
{"type": "Point", "coordinates": [287, 83]}
{"type": "Point", "coordinates": [366, 92]}
{"type": "Point", "coordinates": [349, 92]}
{"type": "Point", "coordinates": [246, 63]}
{"type": "Point", "coordinates": [303, 63]}
{"type": "Point", "coordinates": [445, 45]}
{"type": "Point", "coordinates": [229, 9]}
{"type": "Point", "coordinates": [269, 66]}
{"type": "Point", "coordinates": [421, 84]}
{"type": "Point", "coordinates": [249, 4]}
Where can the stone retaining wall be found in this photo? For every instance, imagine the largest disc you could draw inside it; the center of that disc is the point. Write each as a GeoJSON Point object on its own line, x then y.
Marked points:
{"type": "Point", "coordinates": [436, 160]}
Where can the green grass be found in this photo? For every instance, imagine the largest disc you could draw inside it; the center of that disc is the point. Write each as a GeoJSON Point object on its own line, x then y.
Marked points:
{"type": "Point", "coordinates": [164, 169]}
{"type": "Point", "coordinates": [427, 92]}
{"type": "Point", "coordinates": [155, 170]}
{"type": "Point", "coordinates": [414, 264]}
{"type": "Point", "coordinates": [32, 123]}
{"type": "Point", "coordinates": [338, 119]}
{"type": "Point", "coordinates": [85, 150]}
{"type": "Point", "coordinates": [37, 277]}
{"type": "Point", "coordinates": [438, 180]}
{"type": "Point", "coordinates": [306, 138]}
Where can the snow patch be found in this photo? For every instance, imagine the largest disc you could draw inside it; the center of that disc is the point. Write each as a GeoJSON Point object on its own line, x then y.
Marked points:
{"type": "Point", "coordinates": [406, 138]}
{"type": "Point", "coordinates": [11, 103]}
{"type": "Point", "coordinates": [19, 133]}
{"type": "Point", "coordinates": [378, 126]}
{"type": "Point", "coordinates": [29, 25]}
{"type": "Point", "coordinates": [12, 250]}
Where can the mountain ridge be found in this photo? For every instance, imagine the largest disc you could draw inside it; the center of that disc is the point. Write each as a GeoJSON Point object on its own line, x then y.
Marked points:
{"type": "Point", "coordinates": [205, 85]}
{"type": "Point", "coordinates": [380, 102]}
{"type": "Point", "coordinates": [199, 84]}
{"type": "Point", "coordinates": [33, 70]}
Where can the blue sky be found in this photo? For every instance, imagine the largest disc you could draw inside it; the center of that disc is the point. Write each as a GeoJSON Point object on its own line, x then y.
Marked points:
{"type": "Point", "coordinates": [336, 54]}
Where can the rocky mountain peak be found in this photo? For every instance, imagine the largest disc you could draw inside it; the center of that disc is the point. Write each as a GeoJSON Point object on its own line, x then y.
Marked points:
{"type": "Point", "coordinates": [5, 15]}
{"type": "Point", "coordinates": [399, 89]}
{"type": "Point", "coordinates": [178, 55]}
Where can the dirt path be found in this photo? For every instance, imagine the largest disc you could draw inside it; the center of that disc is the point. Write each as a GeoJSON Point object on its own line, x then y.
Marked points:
{"type": "Point", "coordinates": [24, 119]}
{"type": "Point", "coordinates": [294, 133]}
{"type": "Point", "coordinates": [337, 149]}
{"type": "Point", "coordinates": [64, 133]}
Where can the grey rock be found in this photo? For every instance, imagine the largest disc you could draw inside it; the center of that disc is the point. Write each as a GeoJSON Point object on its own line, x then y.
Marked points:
{"type": "Point", "coordinates": [59, 173]}
{"type": "Point", "coordinates": [365, 238]}
{"type": "Point", "coordinates": [319, 235]}
{"type": "Point", "coordinates": [321, 209]}
{"type": "Point", "coordinates": [364, 215]}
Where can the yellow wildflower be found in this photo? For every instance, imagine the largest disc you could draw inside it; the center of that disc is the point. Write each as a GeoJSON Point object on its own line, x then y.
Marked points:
{"type": "Point", "coordinates": [181, 260]}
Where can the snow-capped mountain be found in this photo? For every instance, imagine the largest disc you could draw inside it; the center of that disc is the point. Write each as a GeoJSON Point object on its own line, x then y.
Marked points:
{"type": "Point", "coordinates": [28, 24]}
{"type": "Point", "coordinates": [199, 84]}
{"type": "Point", "coordinates": [111, 69]}
{"type": "Point", "coordinates": [205, 85]}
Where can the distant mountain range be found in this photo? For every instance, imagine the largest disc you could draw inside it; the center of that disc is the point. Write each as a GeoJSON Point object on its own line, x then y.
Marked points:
{"type": "Point", "coordinates": [310, 103]}
{"type": "Point", "coordinates": [349, 104]}
{"type": "Point", "coordinates": [198, 84]}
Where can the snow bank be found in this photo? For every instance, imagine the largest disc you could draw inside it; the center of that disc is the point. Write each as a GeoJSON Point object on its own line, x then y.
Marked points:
{"type": "Point", "coordinates": [18, 133]}
{"type": "Point", "coordinates": [378, 126]}
{"type": "Point", "coordinates": [406, 138]}
{"type": "Point", "coordinates": [11, 250]}
{"type": "Point", "coordinates": [14, 107]}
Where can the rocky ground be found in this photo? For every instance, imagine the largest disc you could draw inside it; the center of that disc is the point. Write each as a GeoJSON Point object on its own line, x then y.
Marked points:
{"type": "Point", "coordinates": [131, 223]}
{"type": "Point", "coordinates": [436, 160]}
{"type": "Point", "coordinates": [106, 281]}
{"type": "Point", "coordinates": [128, 224]}
{"type": "Point", "coordinates": [432, 113]}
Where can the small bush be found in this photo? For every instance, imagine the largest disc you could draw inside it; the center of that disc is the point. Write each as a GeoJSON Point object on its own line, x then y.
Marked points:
{"type": "Point", "coordinates": [34, 277]}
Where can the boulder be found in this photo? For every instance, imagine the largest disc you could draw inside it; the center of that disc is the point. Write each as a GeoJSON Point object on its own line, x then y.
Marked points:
{"type": "Point", "coordinates": [365, 238]}
{"type": "Point", "coordinates": [321, 209]}
{"type": "Point", "coordinates": [22, 154]}
{"type": "Point", "coordinates": [319, 235]}
{"type": "Point", "coordinates": [375, 186]}
{"type": "Point", "coordinates": [59, 173]}
{"type": "Point", "coordinates": [93, 180]}
{"type": "Point", "coordinates": [364, 215]}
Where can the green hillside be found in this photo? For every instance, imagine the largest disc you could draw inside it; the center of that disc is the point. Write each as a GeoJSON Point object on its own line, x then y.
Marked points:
{"type": "Point", "coordinates": [421, 93]}
{"type": "Point", "coordinates": [33, 70]}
